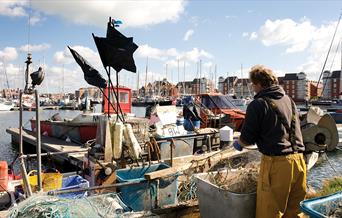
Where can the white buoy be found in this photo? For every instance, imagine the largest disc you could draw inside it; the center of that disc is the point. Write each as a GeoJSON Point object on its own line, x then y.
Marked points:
{"type": "Point", "coordinates": [226, 134]}
{"type": "Point", "coordinates": [117, 138]}
{"type": "Point", "coordinates": [131, 142]}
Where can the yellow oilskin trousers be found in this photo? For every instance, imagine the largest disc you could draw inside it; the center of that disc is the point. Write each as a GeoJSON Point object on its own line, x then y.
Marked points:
{"type": "Point", "coordinates": [281, 186]}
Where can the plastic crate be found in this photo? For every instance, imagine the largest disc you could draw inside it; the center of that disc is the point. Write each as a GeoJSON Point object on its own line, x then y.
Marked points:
{"type": "Point", "coordinates": [321, 206]}
{"type": "Point", "coordinates": [74, 182]}
{"type": "Point", "coordinates": [142, 196]}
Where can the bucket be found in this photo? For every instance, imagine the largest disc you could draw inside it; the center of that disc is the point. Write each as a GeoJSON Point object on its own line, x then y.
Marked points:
{"type": "Point", "coordinates": [226, 134]}
{"type": "Point", "coordinates": [215, 202]}
{"type": "Point", "coordinates": [189, 125]}
{"type": "Point", "coordinates": [50, 181]}
{"type": "Point", "coordinates": [3, 175]}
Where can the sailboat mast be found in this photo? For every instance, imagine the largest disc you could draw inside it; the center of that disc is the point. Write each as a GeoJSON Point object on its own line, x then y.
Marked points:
{"type": "Point", "coordinates": [184, 78]}
{"type": "Point", "coordinates": [241, 81]}
{"type": "Point", "coordinates": [146, 69]}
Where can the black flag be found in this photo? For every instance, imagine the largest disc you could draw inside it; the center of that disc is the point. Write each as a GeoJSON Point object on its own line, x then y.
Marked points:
{"type": "Point", "coordinates": [118, 58]}
{"type": "Point", "coordinates": [116, 50]}
{"type": "Point", "coordinates": [91, 75]}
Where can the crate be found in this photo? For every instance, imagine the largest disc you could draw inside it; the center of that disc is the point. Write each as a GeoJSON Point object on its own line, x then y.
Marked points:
{"type": "Point", "coordinates": [321, 206]}
{"type": "Point", "coordinates": [74, 182]}
{"type": "Point", "coordinates": [142, 196]}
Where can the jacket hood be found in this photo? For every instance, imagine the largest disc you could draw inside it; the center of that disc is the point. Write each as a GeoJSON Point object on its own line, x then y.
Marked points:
{"type": "Point", "coordinates": [273, 92]}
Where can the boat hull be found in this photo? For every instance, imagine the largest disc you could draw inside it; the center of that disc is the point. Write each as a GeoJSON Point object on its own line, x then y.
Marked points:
{"type": "Point", "coordinates": [77, 132]}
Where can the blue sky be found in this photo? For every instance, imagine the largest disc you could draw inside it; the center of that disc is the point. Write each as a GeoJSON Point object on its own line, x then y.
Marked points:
{"type": "Point", "coordinates": [287, 36]}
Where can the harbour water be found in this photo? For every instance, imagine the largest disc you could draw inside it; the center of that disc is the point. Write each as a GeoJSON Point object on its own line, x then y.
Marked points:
{"type": "Point", "coordinates": [324, 169]}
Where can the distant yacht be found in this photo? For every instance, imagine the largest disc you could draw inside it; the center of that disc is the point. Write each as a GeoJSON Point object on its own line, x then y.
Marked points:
{"type": "Point", "coordinates": [6, 105]}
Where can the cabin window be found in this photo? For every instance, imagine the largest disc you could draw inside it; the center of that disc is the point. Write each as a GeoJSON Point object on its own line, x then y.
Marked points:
{"type": "Point", "coordinates": [123, 97]}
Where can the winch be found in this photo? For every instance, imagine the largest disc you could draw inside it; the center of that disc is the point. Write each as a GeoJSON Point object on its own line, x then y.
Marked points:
{"type": "Point", "coordinates": [319, 131]}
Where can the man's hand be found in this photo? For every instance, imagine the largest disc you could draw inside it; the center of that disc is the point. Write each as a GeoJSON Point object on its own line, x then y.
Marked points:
{"type": "Point", "coordinates": [237, 146]}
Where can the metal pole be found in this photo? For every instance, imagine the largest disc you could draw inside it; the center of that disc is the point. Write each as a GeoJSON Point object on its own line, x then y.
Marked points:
{"type": "Point", "coordinates": [39, 158]}
{"type": "Point", "coordinates": [21, 149]}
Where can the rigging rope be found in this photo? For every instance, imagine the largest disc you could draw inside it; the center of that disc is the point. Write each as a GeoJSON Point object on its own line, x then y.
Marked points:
{"type": "Point", "coordinates": [326, 59]}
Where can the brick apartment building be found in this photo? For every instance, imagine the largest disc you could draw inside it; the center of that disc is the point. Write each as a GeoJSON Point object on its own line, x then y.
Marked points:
{"type": "Point", "coordinates": [332, 85]}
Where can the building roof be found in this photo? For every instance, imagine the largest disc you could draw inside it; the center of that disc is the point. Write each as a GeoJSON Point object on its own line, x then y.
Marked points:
{"type": "Point", "coordinates": [336, 74]}
{"type": "Point", "coordinates": [290, 76]}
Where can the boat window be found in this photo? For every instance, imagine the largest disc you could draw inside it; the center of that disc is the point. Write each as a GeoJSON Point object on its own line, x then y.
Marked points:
{"type": "Point", "coordinates": [123, 97]}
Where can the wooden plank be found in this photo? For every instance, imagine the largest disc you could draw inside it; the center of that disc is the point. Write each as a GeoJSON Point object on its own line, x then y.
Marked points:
{"type": "Point", "coordinates": [50, 144]}
{"type": "Point", "coordinates": [195, 161]}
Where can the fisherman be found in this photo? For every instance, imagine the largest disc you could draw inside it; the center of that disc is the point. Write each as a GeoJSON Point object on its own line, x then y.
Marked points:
{"type": "Point", "coordinates": [272, 123]}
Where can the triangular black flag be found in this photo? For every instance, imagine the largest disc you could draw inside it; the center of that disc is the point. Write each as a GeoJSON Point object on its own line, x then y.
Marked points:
{"type": "Point", "coordinates": [91, 75]}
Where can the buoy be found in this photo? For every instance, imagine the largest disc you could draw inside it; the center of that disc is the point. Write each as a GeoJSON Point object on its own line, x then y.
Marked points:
{"type": "Point", "coordinates": [131, 142]}
{"type": "Point", "coordinates": [117, 137]}
{"type": "Point", "coordinates": [3, 175]}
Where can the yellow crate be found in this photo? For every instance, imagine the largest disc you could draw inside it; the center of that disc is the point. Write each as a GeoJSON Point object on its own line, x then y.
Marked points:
{"type": "Point", "coordinates": [50, 181]}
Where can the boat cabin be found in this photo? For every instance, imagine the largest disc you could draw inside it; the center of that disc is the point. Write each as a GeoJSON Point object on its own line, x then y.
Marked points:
{"type": "Point", "coordinates": [125, 99]}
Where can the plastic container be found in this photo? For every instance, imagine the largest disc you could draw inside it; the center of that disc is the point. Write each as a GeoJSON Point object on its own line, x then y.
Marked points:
{"type": "Point", "coordinates": [215, 202]}
{"type": "Point", "coordinates": [226, 134]}
{"type": "Point", "coordinates": [50, 181]}
{"type": "Point", "coordinates": [321, 206]}
{"type": "Point", "coordinates": [138, 197]}
{"type": "Point", "coordinates": [190, 125]}
{"type": "Point", "coordinates": [3, 175]}
{"type": "Point", "coordinates": [74, 182]}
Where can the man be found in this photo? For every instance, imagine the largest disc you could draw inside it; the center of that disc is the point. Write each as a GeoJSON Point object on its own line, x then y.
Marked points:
{"type": "Point", "coordinates": [272, 123]}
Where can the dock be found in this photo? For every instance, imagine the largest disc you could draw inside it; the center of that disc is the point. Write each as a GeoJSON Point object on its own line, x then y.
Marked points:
{"type": "Point", "coordinates": [50, 144]}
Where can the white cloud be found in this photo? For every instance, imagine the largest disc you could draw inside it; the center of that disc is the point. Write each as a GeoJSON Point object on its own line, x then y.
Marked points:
{"type": "Point", "coordinates": [296, 36]}
{"type": "Point", "coordinates": [188, 34]}
{"type": "Point", "coordinates": [253, 36]}
{"type": "Point", "coordinates": [165, 55]}
{"type": "Point", "coordinates": [13, 8]}
{"type": "Point", "coordinates": [245, 34]}
{"type": "Point", "coordinates": [35, 48]}
{"type": "Point", "coordinates": [65, 57]}
{"type": "Point", "coordinates": [303, 36]}
{"type": "Point", "coordinates": [132, 13]}
{"type": "Point", "coordinates": [8, 54]}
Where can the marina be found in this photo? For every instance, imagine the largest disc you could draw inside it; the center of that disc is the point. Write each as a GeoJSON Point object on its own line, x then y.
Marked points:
{"type": "Point", "coordinates": [99, 122]}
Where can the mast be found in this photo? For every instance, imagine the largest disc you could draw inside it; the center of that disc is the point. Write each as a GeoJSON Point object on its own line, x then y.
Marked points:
{"type": "Point", "coordinates": [241, 82]}
{"type": "Point", "coordinates": [227, 83]}
{"type": "Point", "coordinates": [146, 69]}
{"type": "Point", "coordinates": [200, 74]}
{"type": "Point", "coordinates": [184, 78]}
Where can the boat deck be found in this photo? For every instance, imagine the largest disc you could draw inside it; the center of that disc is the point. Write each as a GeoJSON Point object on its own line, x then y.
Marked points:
{"type": "Point", "coordinates": [50, 144]}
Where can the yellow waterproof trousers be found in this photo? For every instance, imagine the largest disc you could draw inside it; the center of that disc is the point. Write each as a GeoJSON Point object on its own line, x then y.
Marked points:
{"type": "Point", "coordinates": [281, 186]}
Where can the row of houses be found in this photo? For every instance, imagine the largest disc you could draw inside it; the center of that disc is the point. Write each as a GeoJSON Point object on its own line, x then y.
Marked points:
{"type": "Point", "coordinates": [296, 85]}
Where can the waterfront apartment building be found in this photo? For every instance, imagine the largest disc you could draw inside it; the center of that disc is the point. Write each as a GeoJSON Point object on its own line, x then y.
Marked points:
{"type": "Point", "coordinates": [202, 85]}
{"type": "Point", "coordinates": [226, 85]}
{"type": "Point", "coordinates": [332, 85]}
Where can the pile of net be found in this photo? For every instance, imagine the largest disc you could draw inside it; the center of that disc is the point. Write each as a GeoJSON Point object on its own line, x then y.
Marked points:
{"type": "Point", "coordinates": [107, 205]}
{"type": "Point", "coordinates": [242, 180]}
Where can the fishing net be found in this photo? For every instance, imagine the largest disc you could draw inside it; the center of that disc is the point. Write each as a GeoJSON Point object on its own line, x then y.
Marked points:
{"type": "Point", "coordinates": [237, 174]}
{"type": "Point", "coordinates": [243, 180]}
{"type": "Point", "coordinates": [41, 206]}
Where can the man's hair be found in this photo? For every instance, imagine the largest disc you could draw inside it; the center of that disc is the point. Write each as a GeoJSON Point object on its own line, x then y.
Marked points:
{"type": "Point", "coordinates": [263, 75]}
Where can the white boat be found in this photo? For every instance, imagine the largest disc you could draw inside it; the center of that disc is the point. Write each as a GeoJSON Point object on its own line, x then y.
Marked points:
{"type": "Point", "coordinates": [6, 105]}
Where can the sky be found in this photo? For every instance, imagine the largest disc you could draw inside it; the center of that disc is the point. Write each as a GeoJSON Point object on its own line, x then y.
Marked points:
{"type": "Point", "coordinates": [177, 39]}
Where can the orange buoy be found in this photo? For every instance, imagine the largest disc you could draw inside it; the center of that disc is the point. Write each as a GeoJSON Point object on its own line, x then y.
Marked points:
{"type": "Point", "coordinates": [3, 175]}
